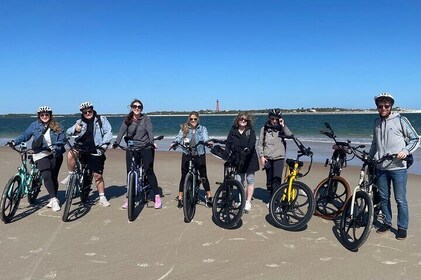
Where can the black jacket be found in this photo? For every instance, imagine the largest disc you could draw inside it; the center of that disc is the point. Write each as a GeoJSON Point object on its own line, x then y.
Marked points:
{"type": "Point", "coordinates": [237, 143]}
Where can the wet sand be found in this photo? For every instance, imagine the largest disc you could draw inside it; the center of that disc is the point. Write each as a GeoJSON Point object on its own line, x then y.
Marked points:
{"type": "Point", "coordinates": [102, 244]}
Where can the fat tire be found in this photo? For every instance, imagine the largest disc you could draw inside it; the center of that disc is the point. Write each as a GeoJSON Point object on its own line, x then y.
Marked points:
{"type": "Point", "coordinates": [70, 192]}
{"type": "Point", "coordinates": [228, 203]}
{"type": "Point", "coordinates": [328, 207]}
{"type": "Point", "coordinates": [131, 193]}
{"type": "Point", "coordinates": [189, 198]}
{"type": "Point", "coordinates": [292, 215]}
{"type": "Point", "coordinates": [35, 189]}
{"type": "Point", "coordinates": [10, 199]}
{"type": "Point", "coordinates": [362, 221]}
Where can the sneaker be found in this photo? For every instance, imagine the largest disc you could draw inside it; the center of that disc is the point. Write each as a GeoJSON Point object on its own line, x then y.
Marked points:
{"type": "Point", "coordinates": [401, 234]}
{"type": "Point", "coordinates": [103, 201]}
{"type": "Point", "coordinates": [50, 203]}
{"type": "Point", "coordinates": [248, 206]}
{"type": "Point", "coordinates": [158, 202]}
{"type": "Point", "coordinates": [383, 228]}
{"type": "Point", "coordinates": [55, 204]}
{"type": "Point", "coordinates": [208, 201]}
{"type": "Point", "coordinates": [125, 204]}
{"type": "Point", "coordinates": [66, 180]}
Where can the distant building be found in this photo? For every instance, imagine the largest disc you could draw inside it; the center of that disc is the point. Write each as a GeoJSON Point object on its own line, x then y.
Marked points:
{"type": "Point", "coordinates": [217, 105]}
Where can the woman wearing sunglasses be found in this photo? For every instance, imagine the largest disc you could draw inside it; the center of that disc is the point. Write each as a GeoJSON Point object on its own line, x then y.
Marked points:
{"type": "Point", "coordinates": [242, 141]}
{"type": "Point", "coordinates": [94, 133]}
{"type": "Point", "coordinates": [192, 132]}
{"type": "Point", "coordinates": [138, 127]}
{"type": "Point", "coordinates": [48, 144]}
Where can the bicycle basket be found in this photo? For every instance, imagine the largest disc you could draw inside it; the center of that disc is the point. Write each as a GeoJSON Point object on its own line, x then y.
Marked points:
{"type": "Point", "coordinates": [219, 152]}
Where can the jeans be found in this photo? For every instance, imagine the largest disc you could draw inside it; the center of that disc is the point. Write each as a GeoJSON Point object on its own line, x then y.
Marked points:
{"type": "Point", "coordinates": [385, 178]}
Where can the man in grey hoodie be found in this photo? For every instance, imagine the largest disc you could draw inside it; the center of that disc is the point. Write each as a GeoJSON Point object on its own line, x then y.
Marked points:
{"type": "Point", "coordinates": [392, 134]}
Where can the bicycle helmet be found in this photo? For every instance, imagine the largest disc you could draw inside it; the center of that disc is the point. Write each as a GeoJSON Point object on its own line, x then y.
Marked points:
{"type": "Point", "coordinates": [386, 96]}
{"type": "Point", "coordinates": [275, 113]}
{"type": "Point", "coordinates": [86, 105]}
{"type": "Point", "coordinates": [44, 109]}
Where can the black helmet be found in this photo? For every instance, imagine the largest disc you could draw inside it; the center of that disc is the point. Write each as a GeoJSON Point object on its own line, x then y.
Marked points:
{"type": "Point", "coordinates": [275, 113]}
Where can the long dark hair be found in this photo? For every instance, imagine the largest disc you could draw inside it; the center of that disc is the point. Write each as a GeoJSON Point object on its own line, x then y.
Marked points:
{"type": "Point", "coordinates": [129, 117]}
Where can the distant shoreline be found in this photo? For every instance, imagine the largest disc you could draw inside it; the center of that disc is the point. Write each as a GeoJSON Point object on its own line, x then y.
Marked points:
{"type": "Point", "coordinates": [154, 114]}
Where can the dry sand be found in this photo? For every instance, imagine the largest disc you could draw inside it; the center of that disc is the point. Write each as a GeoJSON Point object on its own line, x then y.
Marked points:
{"type": "Point", "coordinates": [102, 244]}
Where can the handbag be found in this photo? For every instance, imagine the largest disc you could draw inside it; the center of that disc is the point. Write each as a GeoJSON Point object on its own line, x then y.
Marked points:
{"type": "Point", "coordinates": [37, 144]}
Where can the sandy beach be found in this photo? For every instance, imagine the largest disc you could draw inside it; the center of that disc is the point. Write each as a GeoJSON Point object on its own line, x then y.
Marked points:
{"type": "Point", "coordinates": [102, 244]}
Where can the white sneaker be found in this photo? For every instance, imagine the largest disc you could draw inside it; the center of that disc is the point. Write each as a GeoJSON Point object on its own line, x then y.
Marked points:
{"type": "Point", "coordinates": [56, 206]}
{"type": "Point", "coordinates": [66, 180]}
{"type": "Point", "coordinates": [248, 206]}
{"type": "Point", "coordinates": [103, 201]}
{"type": "Point", "coordinates": [50, 203]}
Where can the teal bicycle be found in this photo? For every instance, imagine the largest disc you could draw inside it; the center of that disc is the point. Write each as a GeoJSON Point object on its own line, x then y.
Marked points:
{"type": "Point", "coordinates": [26, 182]}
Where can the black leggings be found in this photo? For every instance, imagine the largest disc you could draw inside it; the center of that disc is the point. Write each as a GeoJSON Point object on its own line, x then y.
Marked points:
{"type": "Point", "coordinates": [200, 163]}
{"type": "Point", "coordinates": [50, 167]}
{"type": "Point", "coordinates": [275, 170]}
{"type": "Point", "coordinates": [147, 155]}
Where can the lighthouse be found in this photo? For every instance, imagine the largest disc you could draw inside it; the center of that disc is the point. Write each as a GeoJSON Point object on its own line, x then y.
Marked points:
{"type": "Point", "coordinates": [217, 105]}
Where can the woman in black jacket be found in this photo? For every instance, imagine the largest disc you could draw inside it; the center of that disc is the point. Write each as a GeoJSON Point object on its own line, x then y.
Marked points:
{"type": "Point", "coordinates": [241, 141]}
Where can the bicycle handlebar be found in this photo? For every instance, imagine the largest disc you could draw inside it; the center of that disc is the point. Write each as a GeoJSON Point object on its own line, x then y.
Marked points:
{"type": "Point", "coordinates": [131, 147]}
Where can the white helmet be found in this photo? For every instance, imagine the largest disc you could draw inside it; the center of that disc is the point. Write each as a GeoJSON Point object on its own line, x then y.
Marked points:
{"type": "Point", "coordinates": [385, 95]}
{"type": "Point", "coordinates": [44, 109]}
{"type": "Point", "coordinates": [86, 105]}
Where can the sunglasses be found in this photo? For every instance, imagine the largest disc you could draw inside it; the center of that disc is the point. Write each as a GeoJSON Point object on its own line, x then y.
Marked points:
{"type": "Point", "coordinates": [137, 107]}
{"type": "Point", "coordinates": [243, 120]}
{"type": "Point", "coordinates": [44, 115]}
{"type": "Point", "coordinates": [88, 112]}
{"type": "Point", "coordinates": [383, 106]}
{"type": "Point", "coordinates": [193, 119]}
{"type": "Point", "coordinates": [274, 119]}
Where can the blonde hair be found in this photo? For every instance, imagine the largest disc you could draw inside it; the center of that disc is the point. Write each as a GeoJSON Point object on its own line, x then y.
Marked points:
{"type": "Point", "coordinates": [186, 126]}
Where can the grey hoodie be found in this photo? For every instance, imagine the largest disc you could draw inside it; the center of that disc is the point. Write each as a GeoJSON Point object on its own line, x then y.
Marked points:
{"type": "Point", "coordinates": [390, 136]}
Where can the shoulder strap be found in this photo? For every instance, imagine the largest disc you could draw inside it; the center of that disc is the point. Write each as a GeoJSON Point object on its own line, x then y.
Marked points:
{"type": "Point", "coordinates": [98, 119]}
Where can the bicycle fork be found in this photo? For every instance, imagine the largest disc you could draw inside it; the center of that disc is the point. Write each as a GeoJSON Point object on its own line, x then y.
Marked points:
{"type": "Point", "coordinates": [357, 188]}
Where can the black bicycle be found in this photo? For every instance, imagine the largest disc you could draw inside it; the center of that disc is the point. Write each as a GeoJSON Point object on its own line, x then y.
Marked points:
{"type": "Point", "coordinates": [229, 199]}
{"type": "Point", "coordinates": [80, 181]}
{"type": "Point", "coordinates": [26, 182]}
{"type": "Point", "coordinates": [138, 188]}
{"type": "Point", "coordinates": [364, 206]}
{"type": "Point", "coordinates": [333, 192]}
{"type": "Point", "coordinates": [192, 181]}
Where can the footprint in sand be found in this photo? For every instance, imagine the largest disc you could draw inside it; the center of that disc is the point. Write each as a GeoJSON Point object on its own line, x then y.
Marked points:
{"type": "Point", "coordinates": [90, 254]}
{"type": "Point", "coordinates": [254, 227]}
{"type": "Point", "coordinates": [289, 246]}
{"type": "Point", "coordinates": [36, 251]}
{"type": "Point", "coordinates": [94, 238]}
{"type": "Point", "coordinates": [326, 259]}
{"type": "Point", "coordinates": [143, 265]}
{"type": "Point", "coordinates": [208, 261]}
{"type": "Point", "coordinates": [51, 275]}
{"type": "Point", "coordinates": [106, 222]}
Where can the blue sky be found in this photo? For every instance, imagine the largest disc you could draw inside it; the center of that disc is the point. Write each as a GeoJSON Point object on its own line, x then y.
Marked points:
{"type": "Point", "coordinates": [183, 55]}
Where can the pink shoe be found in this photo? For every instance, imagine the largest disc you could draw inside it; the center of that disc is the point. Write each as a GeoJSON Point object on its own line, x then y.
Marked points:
{"type": "Point", "coordinates": [158, 202]}
{"type": "Point", "coordinates": [125, 204]}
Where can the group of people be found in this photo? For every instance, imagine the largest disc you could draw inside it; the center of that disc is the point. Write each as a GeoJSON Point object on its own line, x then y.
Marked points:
{"type": "Point", "coordinates": [392, 134]}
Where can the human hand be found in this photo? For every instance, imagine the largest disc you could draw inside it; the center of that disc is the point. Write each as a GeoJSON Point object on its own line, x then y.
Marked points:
{"type": "Point", "coordinates": [401, 155]}
{"type": "Point", "coordinates": [115, 145]}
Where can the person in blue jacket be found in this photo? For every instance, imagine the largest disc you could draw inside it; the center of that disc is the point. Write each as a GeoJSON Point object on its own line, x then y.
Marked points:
{"type": "Point", "coordinates": [192, 132]}
{"type": "Point", "coordinates": [48, 155]}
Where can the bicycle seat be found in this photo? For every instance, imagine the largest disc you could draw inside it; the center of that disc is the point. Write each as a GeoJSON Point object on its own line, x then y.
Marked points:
{"type": "Point", "coordinates": [291, 163]}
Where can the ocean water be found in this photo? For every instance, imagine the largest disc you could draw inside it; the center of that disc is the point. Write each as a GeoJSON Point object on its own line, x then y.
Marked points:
{"type": "Point", "coordinates": [354, 127]}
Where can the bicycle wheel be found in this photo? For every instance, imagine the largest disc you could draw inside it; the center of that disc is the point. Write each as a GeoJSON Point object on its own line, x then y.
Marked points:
{"type": "Point", "coordinates": [296, 213]}
{"type": "Point", "coordinates": [70, 192]}
{"type": "Point", "coordinates": [189, 199]}
{"type": "Point", "coordinates": [34, 190]}
{"type": "Point", "coordinates": [331, 197]}
{"type": "Point", "coordinates": [228, 203]}
{"type": "Point", "coordinates": [356, 227]}
{"type": "Point", "coordinates": [131, 192]}
{"type": "Point", "coordinates": [10, 199]}
{"type": "Point", "coordinates": [86, 186]}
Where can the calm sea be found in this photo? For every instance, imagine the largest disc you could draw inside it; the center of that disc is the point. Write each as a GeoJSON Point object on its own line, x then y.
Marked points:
{"type": "Point", "coordinates": [355, 127]}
